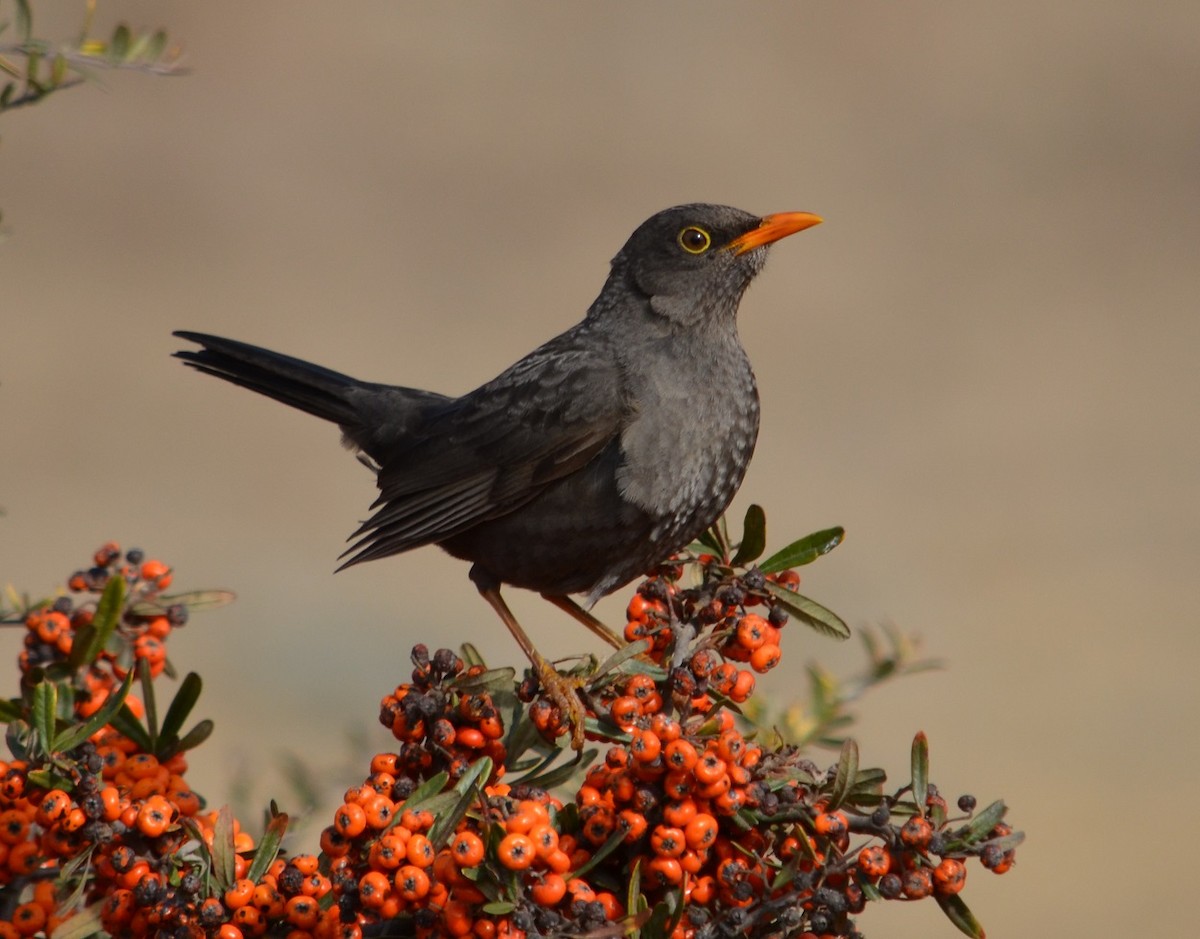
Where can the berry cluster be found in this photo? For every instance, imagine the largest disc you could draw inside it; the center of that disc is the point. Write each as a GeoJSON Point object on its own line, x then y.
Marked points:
{"type": "Point", "coordinates": [681, 820]}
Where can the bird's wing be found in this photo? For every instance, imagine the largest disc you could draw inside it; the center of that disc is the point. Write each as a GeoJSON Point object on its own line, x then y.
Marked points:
{"type": "Point", "coordinates": [486, 454]}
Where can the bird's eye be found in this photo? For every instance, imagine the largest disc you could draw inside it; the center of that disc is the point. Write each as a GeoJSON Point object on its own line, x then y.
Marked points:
{"type": "Point", "coordinates": [694, 240]}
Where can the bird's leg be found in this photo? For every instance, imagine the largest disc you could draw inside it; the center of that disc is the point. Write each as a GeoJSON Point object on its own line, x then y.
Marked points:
{"type": "Point", "coordinates": [574, 610]}
{"type": "Point", "coordinates": [562, 691]}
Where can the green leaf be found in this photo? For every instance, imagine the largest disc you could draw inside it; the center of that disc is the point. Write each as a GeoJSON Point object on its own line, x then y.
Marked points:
{"type": "Point", "coordinates": [602, 852]}
{"type": "Point", "coordinates": [223, 854]}
{"type": "Point", "coordinates": [809, 612]}
{"type": "Point", "coordinates": [754, 537]}
{"type": "Point", "coordinates": [619, 657]}
{"type": "Point", "coordinates": [58, 70]}
{"type": "Point", "coordinates": [24, 20]}
{"type": "Point", "coordinates": [983, 822]}
{"type": "Point", "coordinates": [156, 46]}
{"type": "Point", "coordinates": [83, 924]}
{"type": "Point", "coordinates": [499, 908]}
{"type": "Point", "coordinates": [467, 789]}
{"type": "Point", "coordinates": [804, 551]}
{"type": "Point", "coordinates": [118, 46]}
{"type": "Point", "coordinates": [960, 915]}
{"type": "Point", "coordinates": [194, 600]}
{"type": "Point", "coordinates": [426, 791]}
{"type": "Point", "coordinates": [268, 845]}
{"type": "Point", "coordinates": [492, 681]}
{"type": "Point", "coordinates": [10, 711]}
{"type": "Point", "coordinates": [847, 772]}
{"type": "Point", "coordinates": [91, 640]}
{"type": "Point", "coordinates": [181, 706]}
{"type": "Point", "coordinates": [551, 779]}
{"type": "Point", "coordinates": [127, 723]}
{"type": "Point", "coordinates": [192, 739]}
{"type": "Point", "coordinates": [113, 705]}
{"type": "Point", "coordinates": [45, 703]}
{"type": "Point", "coordinates": [920, 770]}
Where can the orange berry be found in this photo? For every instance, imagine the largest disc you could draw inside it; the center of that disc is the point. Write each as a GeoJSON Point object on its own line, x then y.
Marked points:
{"type": "Point", "coordinates": [239, 894]}
{"type": "Point", "coordinates": [917, 832]}
{"type": "Point", "coordinates": [874, 860]}
{"type": "Point", "coordinates": [302, 912]}
{"type": "Point", "coordinates": [545, 839]}
{"type": "Point", "coordinates": [831, 824]}
{"type": "Point", "coordinates": [664, 870]}
{"type": "Point", "coordinates": [709, 768]}
{"type": "Point", "coordinates": [28, 918]}
{"type": "Point", "coordinates": [412, 883]}
{"type": "Point", "coordinates": [154, 816]}
{"type": "Point", "coordinates": [516, 851]}
{"type": "Point", "coordinates": [679, 813]}
{"type": "Point", "coordinates": [666, 841]}
{"type": "Point", "coordinates": [373, 889]}
{"type": "Point", "coordinates": [634, 823]}
{"type": "Point", "coordinates": [765, 657]}
{"type": "Point", "coordinates": [558, 861]}
{"type": "Point", "coordinates": [917, 884]}
{"type": "Point", "coordinates": [625, 710]}
{"type": "Point", "coordinates": [701, 832]}
{"type": "Point", "coordinates": [467, 849]}
{"type": "Point", "coordinates": [645, 746]}
{"type": "Point", "coordinates": [350, 820]}
{"type": "Point", "coordinates": [680, 755]}
{"type": "Point", "coordinates": [949, 876]}
{"type": "Point", "coordinates": [750, 631]}
{"type": "Point", "coordinates": [549, 891]}
{"type": "Point", "coordinates": [742, 688]}
{"type": "Point", "coordinates": [420, 851]}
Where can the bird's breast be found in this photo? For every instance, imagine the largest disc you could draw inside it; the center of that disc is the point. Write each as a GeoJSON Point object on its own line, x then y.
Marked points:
{"type": "Point", "coordinates": [688, 444]}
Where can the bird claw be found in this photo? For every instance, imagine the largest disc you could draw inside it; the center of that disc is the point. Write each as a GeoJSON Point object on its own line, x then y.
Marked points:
{"type": "Point", "coordinates": [563, 692]}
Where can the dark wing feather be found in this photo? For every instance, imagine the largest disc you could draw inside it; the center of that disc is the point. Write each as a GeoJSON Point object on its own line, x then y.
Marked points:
{"type": "Point", "coordinates": [488, 453]}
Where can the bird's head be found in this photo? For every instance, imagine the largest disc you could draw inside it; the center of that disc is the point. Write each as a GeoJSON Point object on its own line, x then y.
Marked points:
{"type": "Point", "coordinates": [694, 261]}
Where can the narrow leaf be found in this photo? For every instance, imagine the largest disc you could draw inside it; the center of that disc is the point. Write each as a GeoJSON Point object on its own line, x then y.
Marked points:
{"type": "Point", "coordinates": [602, 852]}
{"type": "Point", "coordinates": [809, 612]}
{"type": "Point", "coordinates": [10, 711]}
{"type": "Point", "coordinates": [467, 790]}
{"type": "Point", "coordinates": [127, 723]}
{"type": "Point", "coordinates": [24, 20]}
{"type": "Point", "coordinates": [83, 924]}
{"type": "Point", "coordinates": [960, 915]}
{"type": "Point", "coordinates": [118, 46]}
{"type": "Point", "coordinates": [804, 551]}
{"type": "Point", "coordinates": [984, 821]}
{"type": "Point", "coordinates": [192, 739]}
{"type": "Point", "coordinates": [920, 770]}
{"type": "Point", "coordinates": [92, 639]}
{"type": "Point", "coordinates": [156, 46]}
{"type": "Point", "coordinates": [268, 846]}
{"type": "Point", "coordinates": [427, 790]}
{"type": "Point", "coordinates": [754, 537]}
{"type": "Point", "coordinates": [619, 657]}
{"type": "Point", "coordinates": [181, 706]}
{"type": "Point", "coordinates": [113, 705]}
{"type": "Point", "coordinates": [847, 772]}
{"type": "Point", "coordinates": [224, 866]}
{"type": "Point", "coordinates": [45, 703]}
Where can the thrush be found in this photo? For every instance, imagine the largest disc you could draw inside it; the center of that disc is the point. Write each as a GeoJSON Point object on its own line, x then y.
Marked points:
{"type": "Point", "coordinates": [586, 463]}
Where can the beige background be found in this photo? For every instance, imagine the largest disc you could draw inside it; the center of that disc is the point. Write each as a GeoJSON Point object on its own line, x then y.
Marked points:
{"type": "Point", "coordinates": [984, 365]}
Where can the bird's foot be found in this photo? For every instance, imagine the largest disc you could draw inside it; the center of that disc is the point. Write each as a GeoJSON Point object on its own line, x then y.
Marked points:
{"type": "Point", "coordinates": [563, 692]}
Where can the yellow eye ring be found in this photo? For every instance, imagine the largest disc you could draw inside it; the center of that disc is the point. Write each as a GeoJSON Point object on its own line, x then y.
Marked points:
{"type": "Point", "coordinates": [695, 240]}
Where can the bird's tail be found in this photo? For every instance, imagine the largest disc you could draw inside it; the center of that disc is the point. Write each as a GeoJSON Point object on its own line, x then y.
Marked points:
{"type": "Point", "coordinates": [319, 391]}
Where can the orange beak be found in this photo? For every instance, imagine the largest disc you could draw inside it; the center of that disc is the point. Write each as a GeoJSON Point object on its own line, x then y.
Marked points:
{"type": "Point", "coordinates": [773, 227]}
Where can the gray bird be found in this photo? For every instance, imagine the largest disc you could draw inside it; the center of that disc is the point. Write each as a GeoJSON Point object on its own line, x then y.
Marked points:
{"type": "Point", "coordinates": [590, 460]}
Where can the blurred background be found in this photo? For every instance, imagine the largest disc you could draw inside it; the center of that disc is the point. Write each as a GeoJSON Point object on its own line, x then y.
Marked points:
{"type": "Point", "coordinates": [984, 365]}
